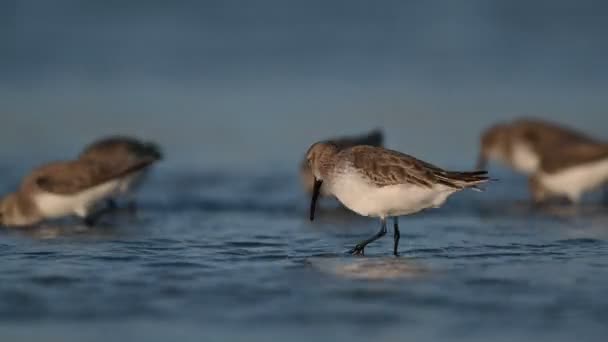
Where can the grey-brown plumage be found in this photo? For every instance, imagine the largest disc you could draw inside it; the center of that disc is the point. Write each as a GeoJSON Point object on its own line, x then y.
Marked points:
{"type": "Point", "coordinates": [533, 146]}
{"type": "Point", "coordinates": [121, 149]}
{"type": "Point", "coordinates": [63, 188]}
{"type": "Point", "coordinates": [541, 137]}
{"type": "Point", "coordinates": [68, 178]}
{"type": "Point", "coordinates": [377, 182]}
{"type": "Point", "coordinates": [118, 151]}
{"type": "Point", "coordinates": [372, 138]}
{"type": "Point", "coordinates": [384, 167]}
{"type": "Point", "coordinates": [571, 155]}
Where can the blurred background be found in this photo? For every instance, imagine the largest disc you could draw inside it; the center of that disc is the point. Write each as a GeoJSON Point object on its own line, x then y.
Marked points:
{"type": "Point", "coordinates": [251, 82]}
{"type": "Point", "coordinates": [227, 87]}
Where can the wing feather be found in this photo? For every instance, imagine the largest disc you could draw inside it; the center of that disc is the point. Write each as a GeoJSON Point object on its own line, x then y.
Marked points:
{"type": "Point", "coordinates": [73, 177]}
{"type": "Point", "coordinates": [385, 167]}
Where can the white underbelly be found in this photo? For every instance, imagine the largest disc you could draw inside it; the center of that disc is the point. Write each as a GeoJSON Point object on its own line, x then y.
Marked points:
{"type": "Point", "coordinates": [131, 182]}
{"type": "Point", "coordinates": [524, 159]}
{"type": "Point", "coordinates": [54, 205]}
{"type": "Point", "coordinates": [394, 200]}
{"type": "Point", "coordinates": [574, 181]}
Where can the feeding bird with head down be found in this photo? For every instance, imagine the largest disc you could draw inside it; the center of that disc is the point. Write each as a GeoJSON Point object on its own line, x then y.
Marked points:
{"type": "Point", "coordinates": [377, 182]}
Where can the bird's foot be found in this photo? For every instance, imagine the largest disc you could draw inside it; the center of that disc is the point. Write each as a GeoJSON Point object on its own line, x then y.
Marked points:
{"type": "Point", "coordinates": [358, 250]}
{"type": "Point", "coordinates": [90, 221]}
{"type": "Point", "coordinates": [111, 204]}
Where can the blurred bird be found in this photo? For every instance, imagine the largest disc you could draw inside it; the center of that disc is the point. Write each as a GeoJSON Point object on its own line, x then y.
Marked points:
{"type": "Point", "coordinates": [570, 171]}
{"type": "Point", "coordinates": [377, 182]}
{"type": "Point", "coordinates": [119, 152]}
{"type": "Point", "coordinates": [523, 145]}
{"type": "Point", "coordinates": [61, 189]}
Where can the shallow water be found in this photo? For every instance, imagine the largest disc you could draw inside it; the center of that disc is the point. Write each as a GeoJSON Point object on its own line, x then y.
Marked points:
{"type": "Point", "coordinates": [230, 257]}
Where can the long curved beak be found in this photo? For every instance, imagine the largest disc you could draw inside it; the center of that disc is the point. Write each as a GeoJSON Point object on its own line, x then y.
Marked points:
{"type": "Point", "coordinates": [315, 195]}
{"type": "Point", "coordinates": [482, 161]}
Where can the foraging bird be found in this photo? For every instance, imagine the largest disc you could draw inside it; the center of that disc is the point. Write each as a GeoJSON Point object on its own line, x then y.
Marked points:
{"type": "Point", "coordinates": [377, 182]}
{"type": "Point", "coordinates": [571, 171]}
{"type": "Point", "coordinates": [61, 189]}
{"type": "Point", "coordinates": [118, 152]}
{"type": "Point", "coordinates": [526, 144]}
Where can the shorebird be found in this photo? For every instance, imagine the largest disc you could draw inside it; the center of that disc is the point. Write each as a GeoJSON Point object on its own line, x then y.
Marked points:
{"type": "Point", "coordinates": [524, 143]}
{"type": "Point", "coordinates": [119, 152]}
{"type": "Point", "coordinates": [571, 171]}
{"type": "Point", "coordinates": [372, 138]}
{"type": "Point", "coordinates": [65, 188]}
{"type": "Point", "coordinates": [377, 182]}
{"type": "Point", "coordinates": [521, 143]}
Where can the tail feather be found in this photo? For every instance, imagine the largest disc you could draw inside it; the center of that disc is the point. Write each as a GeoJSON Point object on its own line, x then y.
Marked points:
{"type": "Point", "coordinates": [464, 180]}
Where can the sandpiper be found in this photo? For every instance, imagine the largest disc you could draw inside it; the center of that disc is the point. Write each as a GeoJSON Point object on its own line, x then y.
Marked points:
{"type": "Point", "coordinates": [377, 182]}
{"type": "Point", "coordinates": [523, 143]}
{"type": "Point", "coordinates": [119, 152]}
{"type": "Point", "coordinates": [519, 144]}
{"type": "Point", "coordinates": [571, 171]}
{"type": "Point", "coordinates": [372, 138]}
{"type": "Point", "coordinates": [66, 188]}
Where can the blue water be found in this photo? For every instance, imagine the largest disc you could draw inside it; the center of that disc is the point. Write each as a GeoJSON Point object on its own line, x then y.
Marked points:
{"type": "Point", "coordinates": [232, 256]}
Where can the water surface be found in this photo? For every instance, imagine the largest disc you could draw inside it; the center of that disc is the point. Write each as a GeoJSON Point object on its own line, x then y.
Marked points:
{"type": "Point", "coordinates": [232, 256]}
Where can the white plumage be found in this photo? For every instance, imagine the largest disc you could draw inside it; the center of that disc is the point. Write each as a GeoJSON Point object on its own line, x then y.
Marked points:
{"type": "Point", "coordinates": [524, 158]}
{"type": "Point", "coordinates": [366, 199]}
{"type": "Point", "coordinates": [56, 205]}
{"type": "Point", "coordinates": [574, 181]}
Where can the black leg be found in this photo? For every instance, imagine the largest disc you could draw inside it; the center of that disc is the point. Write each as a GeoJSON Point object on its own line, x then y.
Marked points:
{"type": "Point", "coordinates": [605, 194]}
{"type": "Point", "coordinates": [360, 247]}
{"type": "Point", "coordinates": [111, 204]}
{"type": "Point", "coordinates": [396, 237]}
{"type": "Point", "coordinates": [91, 219]}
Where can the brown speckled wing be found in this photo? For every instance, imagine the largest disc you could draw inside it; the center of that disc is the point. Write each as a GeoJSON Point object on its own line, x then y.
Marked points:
{"type": "Point", "coordinates": [120, 149]}
{"type": "Point", "coordinates": [72, 177]}
{"type": "Point", "coordinates": [570, 155]}
{"type": "Point", "coordinates": [386, 167]}
{"type": "Point", "coordinates": [543, 136]}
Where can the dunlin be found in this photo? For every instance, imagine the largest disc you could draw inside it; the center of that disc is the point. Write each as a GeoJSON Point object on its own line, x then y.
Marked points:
{"type": "Point", "coordinates": [372, 138]}
{"type": "Point", "coordinates": [377, 182]}
{"type": "Point", "coordinates": [65, 188]}
{"type": "Point", "coordinates": [524, 143]}
{"type": "Point", "coordinates": [519, 144]}
{"type": "Point", "coordinates": [570, 171]}
{"type": "Point", "coordinates": [119, 152]}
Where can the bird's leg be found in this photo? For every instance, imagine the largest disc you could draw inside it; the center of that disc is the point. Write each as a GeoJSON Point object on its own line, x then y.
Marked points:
{"type": "Point", "coordinates": [111, 204]}
{"type": "Point", "coordinates": [360, 247]}
{"type": "Point", "coordinates": [396, 236]}
{"type": "Point", "coordinates": [131, 204]}
{"type": "Point", "coordinates": [91, 219]}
